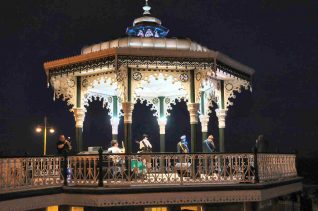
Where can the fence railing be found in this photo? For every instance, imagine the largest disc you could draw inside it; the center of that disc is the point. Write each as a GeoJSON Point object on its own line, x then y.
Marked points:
{"type": "Point", "coordinates": [28, 172]}
{"type": "Point", "coordinates": [276, 166]}
{"type": "Point", "coordinates": [142, 169]}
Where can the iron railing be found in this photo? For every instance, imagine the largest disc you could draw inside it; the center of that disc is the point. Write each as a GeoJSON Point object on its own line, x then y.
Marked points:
{"type": "Point", "coordinates": [144, 169]}
{"type": "Point", "coordinates": [276, 166]}
{"type": "Point", "coordinates": [28, 172]}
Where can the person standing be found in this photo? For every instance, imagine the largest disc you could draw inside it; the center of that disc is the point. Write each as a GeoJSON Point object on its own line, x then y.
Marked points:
{"type": "Point", "coordinates": [182, 146]}
{"type": "Point", "coordinates": [261, 145]}
{"type": "Point", "coordinates": [145, 145]}
{"type": "Point", "coordinates": [114, 149]}
{"type": "Point", "coordinates": [63, 145]}
{"type": "Point", "coordinates": [208, 145]}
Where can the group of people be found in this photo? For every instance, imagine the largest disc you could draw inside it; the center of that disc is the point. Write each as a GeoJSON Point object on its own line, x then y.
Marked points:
{"type": "Point", "coordinates": [208, 145]}
{"type": "Point", "coordinates": [145, 146]}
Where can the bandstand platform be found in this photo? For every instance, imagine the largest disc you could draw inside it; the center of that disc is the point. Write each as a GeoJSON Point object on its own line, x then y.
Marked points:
{"type": "Point", "coordinates": [246, 181]}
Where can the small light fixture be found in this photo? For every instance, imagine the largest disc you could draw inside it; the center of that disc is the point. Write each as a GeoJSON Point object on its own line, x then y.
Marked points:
{"type": "Point", "coordinates": [38, 130]}
{"type": "Point", "coordinates": [52, 130]}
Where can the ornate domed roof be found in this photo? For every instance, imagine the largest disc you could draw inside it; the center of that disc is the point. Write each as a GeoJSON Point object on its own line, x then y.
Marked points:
{"type": "Point", "coordinates": [147, 26]}
{"type": "Point", "coordinates": [150, 43]}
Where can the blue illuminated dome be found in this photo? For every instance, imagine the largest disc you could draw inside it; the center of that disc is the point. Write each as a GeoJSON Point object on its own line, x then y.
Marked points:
{"type": "Point", "coordinates": [147, 26]}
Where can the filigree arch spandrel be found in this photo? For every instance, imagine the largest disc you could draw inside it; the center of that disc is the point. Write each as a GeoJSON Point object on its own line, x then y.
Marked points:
{"type": "Point", "coordinates": [231, 87]}
{"type": "Point", "coordinates": [64, 87]}
{"type": "Point", "coordinates": [90, 83]}
{"type": "Point", "coordinates": [202, 77]}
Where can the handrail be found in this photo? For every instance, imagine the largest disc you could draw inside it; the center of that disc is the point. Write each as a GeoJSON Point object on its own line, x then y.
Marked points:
{"type": "Point", "coordinates": [73, 154]}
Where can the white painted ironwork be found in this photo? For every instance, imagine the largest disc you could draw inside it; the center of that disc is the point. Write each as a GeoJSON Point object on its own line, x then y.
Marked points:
{"type": "Point", "coordinates": [139, 169]}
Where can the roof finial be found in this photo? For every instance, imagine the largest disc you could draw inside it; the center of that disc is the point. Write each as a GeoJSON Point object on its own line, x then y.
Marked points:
{"type": "Point", "coordinates": [146, 8]}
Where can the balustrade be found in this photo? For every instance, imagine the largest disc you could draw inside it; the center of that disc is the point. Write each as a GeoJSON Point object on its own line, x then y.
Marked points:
{"type": "Point", "coordinates": [143, 169]}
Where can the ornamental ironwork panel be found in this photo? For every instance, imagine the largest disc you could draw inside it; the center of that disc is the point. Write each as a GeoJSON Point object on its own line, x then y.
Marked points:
{"type": "Point", "coordinates": [26, 173]}
{"type": "Point", "coordinates": [276, 166]}
{"type": "Point", "coordinates": [30, 172]}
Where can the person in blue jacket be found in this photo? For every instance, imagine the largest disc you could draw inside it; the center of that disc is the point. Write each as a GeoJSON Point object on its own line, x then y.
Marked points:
{"type": "Point", "coordinates": [208, 145]}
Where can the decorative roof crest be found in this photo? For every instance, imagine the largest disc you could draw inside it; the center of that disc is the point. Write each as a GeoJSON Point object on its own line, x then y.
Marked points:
{"type": "Point", "coordinates": [146, 8]}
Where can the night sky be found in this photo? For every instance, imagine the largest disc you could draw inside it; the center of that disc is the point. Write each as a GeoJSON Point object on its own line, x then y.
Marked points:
{"type": "Point", "coordinates": [278, 38]}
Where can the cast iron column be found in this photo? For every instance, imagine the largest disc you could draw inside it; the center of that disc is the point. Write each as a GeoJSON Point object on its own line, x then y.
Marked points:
{"type": "Point", "coordinates": [193, 109]}
{"type": "Point", "coordinates": [127, 108]}
{"type": "Point", "coordinates": [162, 121]}
{"type": "Point", "coordinates": [79, 116]}
{"type": "Point", "coordinates": [204, 119]}
{"type": "Point", "coordinates": [221, 114]}
{"type": "Point", "coordinates": [115, 120]}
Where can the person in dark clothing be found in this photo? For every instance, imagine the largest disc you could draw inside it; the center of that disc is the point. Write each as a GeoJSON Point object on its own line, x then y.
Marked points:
{"type": "Point", "coordinates": [63, 145]}
{"type": "Point", "coordinates": [208, 144]}
{"type": "Point", "coordinates": [261, 144]}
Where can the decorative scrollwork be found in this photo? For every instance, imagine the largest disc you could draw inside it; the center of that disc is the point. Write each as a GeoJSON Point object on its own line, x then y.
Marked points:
{"type": "Point", "coordinates": [84, 83]}
{"type": "Point", "coordinates": [62, 89]}
{"type": "Point", "coordinates": [155, 101]}
{"type": "Point", "coordinates": [234, 86]}
{"type": "Point", "coordinates": [184, 77]}
{"type": "Point", "coordinates": [137, 76]}
{"type": "Point", "coordinates": [119, 77]}
{"type": "Point", "coordinates": [198, 76]}
{"type": "Point", "coordinates": [228, 86]}
{"type": "Point", "coordinates": [71, 83]}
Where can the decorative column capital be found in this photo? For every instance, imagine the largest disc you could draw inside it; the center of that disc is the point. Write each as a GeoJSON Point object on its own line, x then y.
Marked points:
{"type": "Point", "coordinates": [128, 108]}
{"type": "Point", "coordinates": [162, 125]}
{"type": "Point", "coordinates": [193, 109]}
{"type": "Point", "coordinates": [204, 119]}
{"type": "Point", "coordinates": [114, 121]}
{"type": "Point", "coordinates": [79, 115]}
{"type": "Point", "coordinates": [221, 114]}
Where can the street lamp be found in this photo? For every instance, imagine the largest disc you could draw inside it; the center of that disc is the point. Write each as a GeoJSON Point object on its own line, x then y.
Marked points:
{"type": "Point", "coordinates": [38, 129]}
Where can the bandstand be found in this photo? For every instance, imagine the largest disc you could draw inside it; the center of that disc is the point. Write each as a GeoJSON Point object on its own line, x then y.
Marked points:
{"type": "Point", "coordinates": [148, 66]}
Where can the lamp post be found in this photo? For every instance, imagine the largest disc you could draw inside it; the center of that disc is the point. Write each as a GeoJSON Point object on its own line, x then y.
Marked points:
{"type": "Point", "coordinates": [45, 127]}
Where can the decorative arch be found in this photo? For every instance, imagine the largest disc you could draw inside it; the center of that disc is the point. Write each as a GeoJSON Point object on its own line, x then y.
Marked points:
{"type": "Point", "coordinates": [102, 86]}
{"type": "Point", "coordinates": [149, 85]}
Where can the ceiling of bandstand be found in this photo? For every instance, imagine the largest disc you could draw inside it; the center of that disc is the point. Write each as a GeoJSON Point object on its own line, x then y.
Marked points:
{"type": "Point", "coordinates": [104, 87]}
{"type": "Point", "coordinates": [160, 86]}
